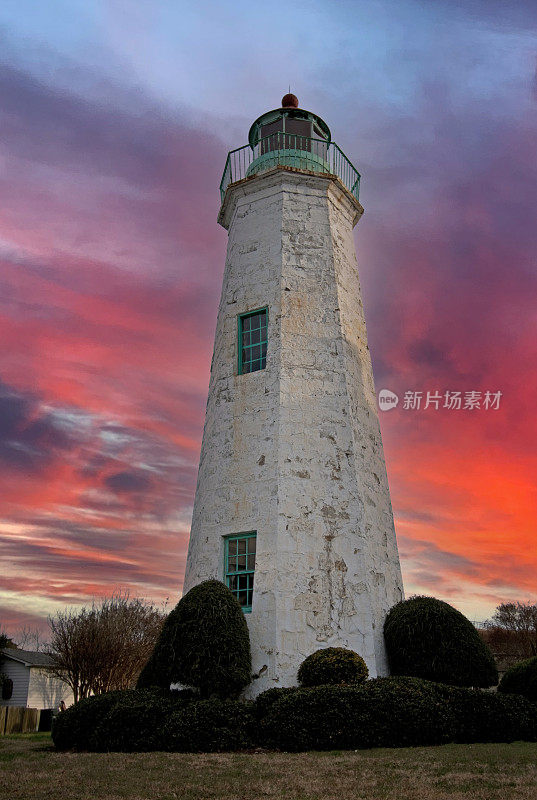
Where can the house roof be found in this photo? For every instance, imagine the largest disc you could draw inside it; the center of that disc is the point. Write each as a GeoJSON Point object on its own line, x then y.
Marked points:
{"type": "Point", "coordinates": [29, 658]}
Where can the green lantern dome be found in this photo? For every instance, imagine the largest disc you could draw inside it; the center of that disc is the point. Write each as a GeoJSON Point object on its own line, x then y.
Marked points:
{"type": "Point", "coordinates": [289, 136]}
{"type": "Point", "coordinates": [291, 120]}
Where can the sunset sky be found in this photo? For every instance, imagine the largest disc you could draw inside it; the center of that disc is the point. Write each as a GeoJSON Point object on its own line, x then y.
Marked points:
{"type": "Point", "coordinates": [115, 121]}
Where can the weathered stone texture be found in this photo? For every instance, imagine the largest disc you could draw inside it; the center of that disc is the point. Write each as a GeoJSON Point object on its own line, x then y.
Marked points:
{"type": "Point", "coordinates": [294, 451]}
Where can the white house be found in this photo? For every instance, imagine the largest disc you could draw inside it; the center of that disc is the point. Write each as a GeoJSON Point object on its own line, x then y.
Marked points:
{"type": "Point", "coordinates": [34, 686]}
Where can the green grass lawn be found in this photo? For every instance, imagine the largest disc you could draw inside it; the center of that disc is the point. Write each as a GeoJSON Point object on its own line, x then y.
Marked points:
{"type": "Point", "coordinates": [30, 769]}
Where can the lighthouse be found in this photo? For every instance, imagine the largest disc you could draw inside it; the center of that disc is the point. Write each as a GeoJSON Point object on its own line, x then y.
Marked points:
{"type": "Point", "coordinates": [292, 508]}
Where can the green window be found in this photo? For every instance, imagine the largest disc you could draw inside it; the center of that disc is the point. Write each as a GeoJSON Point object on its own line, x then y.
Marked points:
{"type": "Point", "coordinates": [240, 566]}
{"type": "Point", "coordinates": [253, 341]}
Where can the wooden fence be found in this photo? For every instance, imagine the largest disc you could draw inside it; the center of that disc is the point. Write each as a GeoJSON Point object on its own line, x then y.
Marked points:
{"type": "Point", "coordinates": [18, 719]}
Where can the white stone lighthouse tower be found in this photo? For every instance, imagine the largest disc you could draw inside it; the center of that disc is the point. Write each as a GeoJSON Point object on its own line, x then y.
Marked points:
{"type": "Point", "coordinates": [292, 507]}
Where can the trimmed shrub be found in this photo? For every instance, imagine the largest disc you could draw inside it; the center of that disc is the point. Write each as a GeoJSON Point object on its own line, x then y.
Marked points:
{"type": "Point", "coordinates": [521, 679]}
{"type": "Point", "coordinates": [332, 666]}
{"type": "Point", "coordinates": [427, 638]}
{"type": "Point", "coordinates": [204, 643]}
{"type": "Point", "coordinates": [210, 726]}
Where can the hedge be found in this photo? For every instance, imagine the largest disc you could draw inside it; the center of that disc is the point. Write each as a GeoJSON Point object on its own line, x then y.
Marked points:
{"type": "Point", "coordinates": [427, 638]}
{"type": "Point", "coordinates": [135, 723]}
{"type": "Point", "coordinates": [383, 712]}
{"type": "Point", "coordinates": [491, 717]}
{"type": "Point", "coordinates": [394, 712]}
{"type": "Point", "coordinates": [209, 726]}
{"type": "Point", "coordinates": [82, 726]}
{"type": "Point", "coordinates": [72, 728]}
{"type": "Point", "coordinates": [144, 720]}
{"type": "Point", "coordinates": [264, 701]}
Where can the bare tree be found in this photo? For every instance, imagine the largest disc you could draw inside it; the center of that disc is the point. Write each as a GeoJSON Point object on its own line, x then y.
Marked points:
{"type": "Point", "coordinates": [28, 638]}
{"type": "Point", "coordinates": [512, 631]}
{"type": "Point", "coordinates": [105, 646]}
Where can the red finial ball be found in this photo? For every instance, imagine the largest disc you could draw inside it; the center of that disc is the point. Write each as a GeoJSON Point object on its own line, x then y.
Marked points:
{"type": "Point", "coordinates": [289, 101]}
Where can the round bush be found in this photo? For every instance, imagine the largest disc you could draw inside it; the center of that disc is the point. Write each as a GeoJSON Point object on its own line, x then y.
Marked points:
{"type": "Point", "coordinates": [204, 643]}
{"type": "Point", "coordinates": [332, 665]}
{"type": "Point", "coordinates": [521, 679]}
{"type": "Point", "coordinates": [427, 638]}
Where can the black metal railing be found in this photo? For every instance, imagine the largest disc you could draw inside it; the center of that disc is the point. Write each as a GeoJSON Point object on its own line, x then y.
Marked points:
{"type": "Point", "coordinates": [290, 150]}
